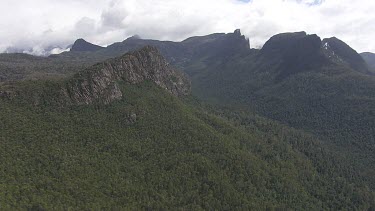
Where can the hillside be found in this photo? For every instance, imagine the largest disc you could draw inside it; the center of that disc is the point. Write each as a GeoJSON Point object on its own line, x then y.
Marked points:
{"type": "Point", "coordinates": [370, 59]}
{"type": "Point", "coordinates": [156, 147]}
{"type": "Point", "coordinates": [15, 67]}
{"type": "Point", "coordinates": [298, 80]}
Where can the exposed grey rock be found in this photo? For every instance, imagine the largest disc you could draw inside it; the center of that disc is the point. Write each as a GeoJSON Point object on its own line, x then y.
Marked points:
{"type": "Point", "coordinates": [100, 82]}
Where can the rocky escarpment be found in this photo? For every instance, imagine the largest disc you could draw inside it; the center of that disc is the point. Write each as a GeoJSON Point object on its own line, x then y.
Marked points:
{"type": "Point", "coordinates": [281, 43]}
{"type": "Point", "coordinates": [100, 83]}
{"type": "Point", "coordinates": [295, 52]}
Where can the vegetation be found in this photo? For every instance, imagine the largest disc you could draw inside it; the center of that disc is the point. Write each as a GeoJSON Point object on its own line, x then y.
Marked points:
{"type": "Point", "coordinates": [152, 150]}
{"type": "Point", "coordinates": [283, 129]}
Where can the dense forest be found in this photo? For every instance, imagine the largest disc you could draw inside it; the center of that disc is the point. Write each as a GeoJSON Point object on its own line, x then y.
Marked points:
{"type": "Point", "coordinates": [153, 150]}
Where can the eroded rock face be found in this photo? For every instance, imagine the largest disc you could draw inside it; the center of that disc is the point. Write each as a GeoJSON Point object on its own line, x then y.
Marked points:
{"type": "Point", "coordinates": [100, 82]}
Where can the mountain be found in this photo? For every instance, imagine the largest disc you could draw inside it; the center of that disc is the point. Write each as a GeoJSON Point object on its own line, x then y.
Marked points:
{"type": "Point", "coordinates": [296, 79]}
{"type": "Point", "coordinates": [370, 59]}
{"type": "Point", "coordinates": [84, 54]}
{"type": "Point", "coordinates": [346, 54]}
{"type": "Point", "coordinates": [83, 45]}
{"type": "Point", "coordinates": [177, 53]}
{"type": "Point", "coordinates": [295, 52]}
{"type": "Point", "coordinates": [100, 82]}
{"type": "Point", "coordinates": [126, 134]}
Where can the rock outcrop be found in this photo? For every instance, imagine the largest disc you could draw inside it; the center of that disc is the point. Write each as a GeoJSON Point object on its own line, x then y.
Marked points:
{"type": "Point", "coordinates": [100, 83]}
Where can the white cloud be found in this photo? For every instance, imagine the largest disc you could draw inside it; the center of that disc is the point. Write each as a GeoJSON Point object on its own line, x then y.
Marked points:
{"type": "Point", "coordinates": [54, 24]}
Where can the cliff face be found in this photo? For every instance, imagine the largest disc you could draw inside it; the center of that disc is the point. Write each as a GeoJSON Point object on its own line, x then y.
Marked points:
{"type": "Point", "coordinates": [295, 52]}
{"type": "Point", "coordinates": [100, 82]}
{"type": "Point", "coordinates": [299, 51]}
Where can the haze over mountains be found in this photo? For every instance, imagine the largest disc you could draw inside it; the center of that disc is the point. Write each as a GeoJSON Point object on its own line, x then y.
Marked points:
{"type": "Point", "coordinates": [370, 59]}
{"type": "Point", "coordinates": [205, 123]}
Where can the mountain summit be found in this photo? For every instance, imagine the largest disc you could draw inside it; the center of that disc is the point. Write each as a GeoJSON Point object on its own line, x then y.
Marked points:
{"type": "Point", "coordinates": [299, 51]}
{"type": "Point", "coordinates": [83, 45]}
{"type": "Point", "coordinates": [345, 54]}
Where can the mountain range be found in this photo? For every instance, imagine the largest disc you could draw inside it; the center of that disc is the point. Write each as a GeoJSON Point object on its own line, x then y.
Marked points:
{"type": "Point", "coordinates": [205, 123]}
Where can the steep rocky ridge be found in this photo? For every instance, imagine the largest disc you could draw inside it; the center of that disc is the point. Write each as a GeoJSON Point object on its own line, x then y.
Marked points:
{"type": "Point", "coordinates": [345, 54]}
{"type": "Point", "coordinates": [294, 52]}
{"type": "Point", "coordinates": [100, 82]}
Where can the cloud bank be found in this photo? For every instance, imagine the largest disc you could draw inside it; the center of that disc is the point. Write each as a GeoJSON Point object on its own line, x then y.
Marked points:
{"type": "Point", "coordinates": [48, 26]}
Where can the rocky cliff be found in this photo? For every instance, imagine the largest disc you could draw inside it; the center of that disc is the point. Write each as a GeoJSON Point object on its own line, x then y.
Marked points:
{"type": "Point", "coordinates": [295, 52]}
{"type": "Point", "coordinates": [100, 83]}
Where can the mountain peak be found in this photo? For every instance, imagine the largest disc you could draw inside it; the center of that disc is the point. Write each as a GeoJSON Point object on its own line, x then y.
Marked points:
{"type": "Point", "coordinates": [237, 32]}
{"type": "Point", "coordinates": [134, 37]}
{"type": "Point", "coordinates": [345, 53]}
{"type": "Point", "coordinates": [83, 45]}
{"type": "Point", "coordinates": [296, 51]}
{"type": "Point", "coordinates": [280, 43]}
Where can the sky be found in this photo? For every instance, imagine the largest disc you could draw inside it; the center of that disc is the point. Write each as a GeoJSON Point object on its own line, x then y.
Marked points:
{"type": "Point", "coordinates": [41, 27]}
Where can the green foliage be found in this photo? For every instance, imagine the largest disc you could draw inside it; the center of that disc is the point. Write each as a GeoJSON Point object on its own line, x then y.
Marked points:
{"type": "Point", "coordinates": [334, 103]}
{"type": "Point", "coordinates": [153, 151]}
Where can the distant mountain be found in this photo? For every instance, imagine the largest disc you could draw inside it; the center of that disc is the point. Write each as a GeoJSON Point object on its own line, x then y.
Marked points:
{"type": "Point", "coordinates": [219, 44]}
{"type": "Point", "coordinates": [290, 67]}
{"type": "Point", "coordinates": [84, 54]}
{"type": "Point", "coordinates": [370, 59]}
{"type": "Point", "coordinates": [295, 52]}
{"type": "Point", "coordinates": [82, 45]}
{"type": "Point", "coordinates": [322, 87]}
{"type": "Point", "coordinates": [345, 53]}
